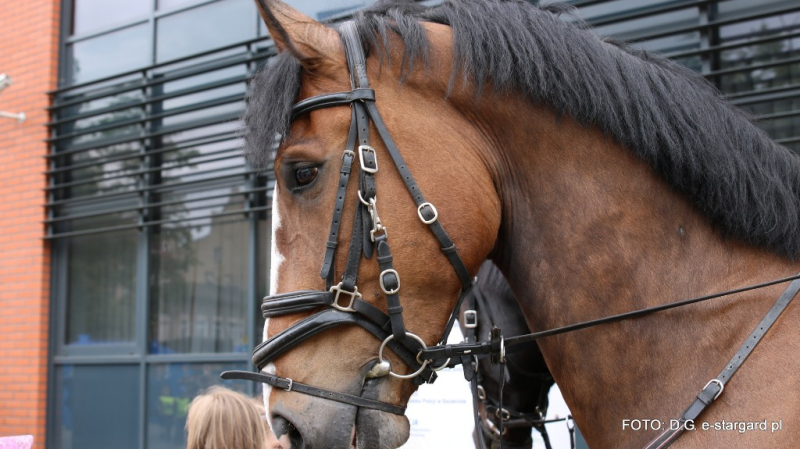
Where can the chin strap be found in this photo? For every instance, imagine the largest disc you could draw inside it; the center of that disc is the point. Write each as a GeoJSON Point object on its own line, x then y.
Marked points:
{"type": "Point", "coordinates": [286, 384]}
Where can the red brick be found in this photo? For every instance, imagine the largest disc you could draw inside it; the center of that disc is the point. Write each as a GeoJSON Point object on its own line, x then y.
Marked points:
{"type": "Point", "coordinates": [30, 56]}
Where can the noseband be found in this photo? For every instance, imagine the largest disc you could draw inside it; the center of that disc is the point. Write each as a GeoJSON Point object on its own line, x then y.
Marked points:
{"type": "Point", "coordinates": [342, 303]}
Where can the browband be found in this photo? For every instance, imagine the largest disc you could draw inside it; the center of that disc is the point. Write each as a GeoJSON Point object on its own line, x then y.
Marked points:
{"type": "Point", "coordinates": [328, 100]}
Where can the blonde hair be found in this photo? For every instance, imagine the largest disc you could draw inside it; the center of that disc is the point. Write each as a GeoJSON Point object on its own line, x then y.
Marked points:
{"type": "Point", "coordinates": [221, 418]}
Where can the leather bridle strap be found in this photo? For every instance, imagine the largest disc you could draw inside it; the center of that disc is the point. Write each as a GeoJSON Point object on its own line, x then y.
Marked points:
{"type": "Point", "coordinates": [322, 321]}
{"type": "Point", "coordinates": [338, 208]}
{"type": "Point", "coordinates": [290, 385]}
{"type": "Point", "coordinates": [715, 386]}
{"type": "Point", "coordinates": [470, 322]}
{"type": "Point", "coordinates": [334, 99]}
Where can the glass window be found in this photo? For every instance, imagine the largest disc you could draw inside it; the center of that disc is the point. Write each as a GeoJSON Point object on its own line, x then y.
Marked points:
{"type": "Point", "coordinates": [99, 57]}
{"type": "Point", "coordinates": [774, 75]}
{"type": "Point", "coordinates": [171, 4]}
{"type": "Point", "coordinates": [94, 15]}
{"type": "Point", "coordinates": [639, 28]}
{"type": "Point", "coordinates": [204, 28]}
{"type": "Point", "coordinates": [198, 288]}
{"type": "Point", "coordinates": [171, 388]}
{"type": "Point", "coordinates": [736, 8]}
{"type": "Point", "coordinates": [101, 290]}
{"type": "Point", "coordinates": [328, 9]}
{"type": "Point", "coordinates": [96, 406]}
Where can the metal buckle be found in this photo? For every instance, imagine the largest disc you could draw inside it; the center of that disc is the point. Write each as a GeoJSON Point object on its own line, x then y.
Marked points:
{"type": "Point", "coordinates": [339, 290]}
{"type": "Point", "coordinates": [718, 382]}
{"type": "Point", "coordinates": [383, 283]}
{"type": "Point", "coordinates": [435, 213]}
{"type": "Point", "coordinates": [348, 152]}
{"type": "Point", "coordinates": [291, 382]}
{"type": "Point", "coordinates": [361, 149]}
{"type": "Point", "coordinates": [470, 319]}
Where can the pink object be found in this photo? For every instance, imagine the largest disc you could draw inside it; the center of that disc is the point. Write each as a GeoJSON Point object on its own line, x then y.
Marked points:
{"type": "Point", "coordinates": [17, 442]}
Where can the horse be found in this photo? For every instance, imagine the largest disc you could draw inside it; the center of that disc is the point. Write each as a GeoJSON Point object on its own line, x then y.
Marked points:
{"type": "Point", "coordinates": [600, 180]}
{"type": "Point", "coordinates": [527, 381]}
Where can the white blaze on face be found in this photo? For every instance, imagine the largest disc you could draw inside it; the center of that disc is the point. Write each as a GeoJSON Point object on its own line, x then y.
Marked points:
{"type": "Point", "coordinates": [276, 259]}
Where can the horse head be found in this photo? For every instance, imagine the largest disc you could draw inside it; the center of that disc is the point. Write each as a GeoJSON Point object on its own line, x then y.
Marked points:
{"type": "Point", "coordinates": [313, 224]}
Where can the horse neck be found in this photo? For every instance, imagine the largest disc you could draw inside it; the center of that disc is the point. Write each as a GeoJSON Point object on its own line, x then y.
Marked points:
{"type": "Point", "coordinates": [590, 230]}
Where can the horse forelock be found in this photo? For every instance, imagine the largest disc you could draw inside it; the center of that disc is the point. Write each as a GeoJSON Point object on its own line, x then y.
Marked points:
{"type": "Point", "coordinates": [748, 185]}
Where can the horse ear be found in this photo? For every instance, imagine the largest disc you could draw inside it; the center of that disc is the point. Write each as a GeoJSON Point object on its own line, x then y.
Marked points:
{"type": "Point", "coordinates": [306, 39]}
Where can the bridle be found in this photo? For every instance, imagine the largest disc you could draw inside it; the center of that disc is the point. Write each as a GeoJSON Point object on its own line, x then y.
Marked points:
{"type": "Point", "coordinates": [494, 418]}
{"type": "Point", "coordinates": [343, 304]}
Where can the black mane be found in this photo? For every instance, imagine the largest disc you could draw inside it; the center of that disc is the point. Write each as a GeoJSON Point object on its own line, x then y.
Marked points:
{"type": "Point", "coordinates": [670, 116]}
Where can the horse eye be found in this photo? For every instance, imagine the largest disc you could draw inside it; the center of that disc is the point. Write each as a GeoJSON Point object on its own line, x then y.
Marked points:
{"type": "Point", "coordinates": [305, 175]}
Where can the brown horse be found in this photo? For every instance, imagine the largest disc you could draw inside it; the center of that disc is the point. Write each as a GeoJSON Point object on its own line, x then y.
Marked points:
{"type": "Point", "coordinates": [599, 179]}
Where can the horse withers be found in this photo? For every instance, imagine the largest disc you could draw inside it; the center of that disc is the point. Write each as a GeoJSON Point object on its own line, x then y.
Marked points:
{"type": "Point", "coordinates": [599, 179]}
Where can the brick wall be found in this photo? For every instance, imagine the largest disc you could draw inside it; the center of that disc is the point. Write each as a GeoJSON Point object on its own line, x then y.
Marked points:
{"type": "Point", "coordinates": [28, 54]}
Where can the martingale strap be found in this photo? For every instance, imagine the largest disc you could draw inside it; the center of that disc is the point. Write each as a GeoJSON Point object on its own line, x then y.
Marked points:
{"type": "Point", "coordinates": [715, 386]}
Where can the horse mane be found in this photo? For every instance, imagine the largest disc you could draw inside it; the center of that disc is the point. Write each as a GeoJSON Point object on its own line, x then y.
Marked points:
{"type": "Point", "coordinates": [670, 116]}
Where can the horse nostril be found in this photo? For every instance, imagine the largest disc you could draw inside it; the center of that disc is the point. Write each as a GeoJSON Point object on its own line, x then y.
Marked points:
{"type": "Point", "coordinates": [282, 426]}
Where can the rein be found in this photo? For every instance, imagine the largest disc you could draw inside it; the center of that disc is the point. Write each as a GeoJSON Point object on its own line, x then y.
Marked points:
{"type": "Point", "coordinates": [344, 305]}
{"type": "Point", "coordinates": [515, 343]}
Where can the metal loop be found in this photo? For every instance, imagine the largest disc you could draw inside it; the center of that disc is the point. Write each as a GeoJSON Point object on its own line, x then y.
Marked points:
{"type": "Point", "coordinates": [502, 350]}
{"type": "Point", "coordinates": [363, 201]}
{"type": "Point", "coordinates": [470, 319]}
{"type": "Point", "coordinates": [348, 152]}
{"type": "Point", "coordinates": [383, 283]}
{"type": "Point", "coordinates": [435, 213]}
{"type": "Point", "coordinates": [444, 365]}
{"type": "Point", "coordinates": [291, 382]}
{"type": "Point", "coordinates": [503, 414]}
{"type": "Point", "coordinates": [404, 376]}
{"type": "Point", "coordinates": [481, 393]}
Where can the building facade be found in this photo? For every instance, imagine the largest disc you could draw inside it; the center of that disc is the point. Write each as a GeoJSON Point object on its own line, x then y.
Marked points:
{"type": "Point", "coordinates": [135, 239]}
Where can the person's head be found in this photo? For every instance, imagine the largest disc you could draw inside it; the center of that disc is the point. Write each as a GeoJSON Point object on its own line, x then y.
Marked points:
{"type": "Point", "coordinates": [221, 418]}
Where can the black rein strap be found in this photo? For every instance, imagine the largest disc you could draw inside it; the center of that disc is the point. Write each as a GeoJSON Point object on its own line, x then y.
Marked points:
{"type": "Point", "coordinates": [515, 343]}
